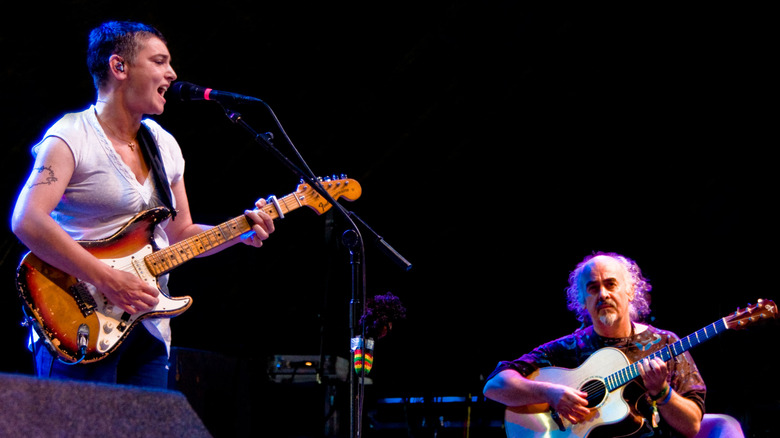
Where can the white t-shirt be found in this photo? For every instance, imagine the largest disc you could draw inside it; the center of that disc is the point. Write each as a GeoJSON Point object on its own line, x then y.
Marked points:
{"type": "Point", "coordinates": [104, 194]}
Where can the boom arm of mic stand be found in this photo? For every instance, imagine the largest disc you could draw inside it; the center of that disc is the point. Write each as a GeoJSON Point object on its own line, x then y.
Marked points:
{"type": "Point", "coordinates": [265, 141]}
{"type": "Point", "coordinates": [356, 248]}
{"type": "Point", "coordinates": [383, 246]}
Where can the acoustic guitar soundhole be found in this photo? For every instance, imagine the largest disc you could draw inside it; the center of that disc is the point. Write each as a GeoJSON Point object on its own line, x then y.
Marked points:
{"type": "Point", "coordinates": [597, 392]}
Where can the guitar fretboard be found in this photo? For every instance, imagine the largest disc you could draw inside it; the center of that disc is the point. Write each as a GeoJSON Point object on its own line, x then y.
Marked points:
{"type": "Point", "coordinates": [164, 260]}
{"type": "Point", "coordinates": [631, 372]}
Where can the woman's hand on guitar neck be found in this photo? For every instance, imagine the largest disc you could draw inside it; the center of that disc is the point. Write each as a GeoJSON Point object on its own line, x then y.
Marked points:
{"type": "Point", "coordinates": [262, 227]}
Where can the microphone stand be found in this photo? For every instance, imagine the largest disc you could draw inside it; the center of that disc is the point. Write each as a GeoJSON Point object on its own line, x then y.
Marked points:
{"type": "Point", "coordinates": [353, 240]}
{"type": "Point", "coordinates": [265, 141]}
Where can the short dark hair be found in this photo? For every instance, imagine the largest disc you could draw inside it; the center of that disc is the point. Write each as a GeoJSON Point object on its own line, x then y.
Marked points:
{"type": "Point", "coordinates": [122, 38]}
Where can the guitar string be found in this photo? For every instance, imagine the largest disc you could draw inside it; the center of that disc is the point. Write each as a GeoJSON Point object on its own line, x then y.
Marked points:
{"type": "Point", "coordinates": [167, 256]}
{"type": "Point", "coordinates": [630, 372]}
{"type": "Point", "coordinates": [289, 202]}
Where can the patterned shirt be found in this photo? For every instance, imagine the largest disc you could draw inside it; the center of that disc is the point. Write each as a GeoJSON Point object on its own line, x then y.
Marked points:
{"type": "Point", "coordinates": [572, 350]}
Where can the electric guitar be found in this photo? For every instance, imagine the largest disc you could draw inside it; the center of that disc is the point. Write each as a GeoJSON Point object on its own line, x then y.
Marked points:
{"type": "Point", "coordinates": [78, 323]}
{"type": "Point", "coordinates": [604, 376]}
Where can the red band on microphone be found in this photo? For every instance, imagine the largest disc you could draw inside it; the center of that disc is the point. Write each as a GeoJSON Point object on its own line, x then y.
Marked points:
{"type": "Point", "coordinates": [206, 94]}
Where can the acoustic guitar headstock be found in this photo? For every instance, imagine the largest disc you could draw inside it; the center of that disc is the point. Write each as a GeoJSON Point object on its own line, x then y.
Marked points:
{"type": "Point", "coordinates": [761, 311]}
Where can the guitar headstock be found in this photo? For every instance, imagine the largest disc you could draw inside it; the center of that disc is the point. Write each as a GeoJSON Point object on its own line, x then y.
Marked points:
{"type": "Point", "coordinates": [753, 313]}
{"type": "Point", "coordinates": [342, 187]}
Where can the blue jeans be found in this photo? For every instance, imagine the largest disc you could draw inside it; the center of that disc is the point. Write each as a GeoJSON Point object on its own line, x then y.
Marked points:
{"type": "Point", "coordinates": [141, 360]}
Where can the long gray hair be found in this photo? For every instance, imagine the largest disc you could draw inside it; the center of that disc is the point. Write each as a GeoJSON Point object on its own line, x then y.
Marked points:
{"type": "Point", "coordinates": [639, 307]}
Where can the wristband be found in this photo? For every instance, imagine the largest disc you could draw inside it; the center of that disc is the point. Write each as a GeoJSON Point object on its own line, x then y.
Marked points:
{"type": "Point", "coordinates": [666, 399]}
{"type": "Point", "coordinates": [661, 395]}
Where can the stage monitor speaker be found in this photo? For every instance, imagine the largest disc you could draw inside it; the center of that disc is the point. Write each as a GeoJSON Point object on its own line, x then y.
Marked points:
{"type": "Point", "coordinates": [32, 407]}
{"type": "Point", "coordinates": [237, 397]}
{"type": "Point", "coordinates": [222, 390]}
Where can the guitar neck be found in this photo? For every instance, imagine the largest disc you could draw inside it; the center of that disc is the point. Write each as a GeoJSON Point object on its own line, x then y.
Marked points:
{"type": "Point", "coordinates": [166, 259]}
{"type": "Point", "coordinates": [631, 372]}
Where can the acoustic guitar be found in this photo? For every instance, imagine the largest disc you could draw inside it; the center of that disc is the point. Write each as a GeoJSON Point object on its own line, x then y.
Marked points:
{"type": "Point", "coordinates": [604, 376]}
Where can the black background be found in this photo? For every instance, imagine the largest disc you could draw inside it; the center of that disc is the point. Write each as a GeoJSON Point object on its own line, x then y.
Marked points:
{"type": "Point", "coordinates": [496, 145]}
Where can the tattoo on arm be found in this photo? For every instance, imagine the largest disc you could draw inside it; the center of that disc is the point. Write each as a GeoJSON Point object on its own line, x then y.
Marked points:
{"type": "Point", "coordinates": [48, 179]}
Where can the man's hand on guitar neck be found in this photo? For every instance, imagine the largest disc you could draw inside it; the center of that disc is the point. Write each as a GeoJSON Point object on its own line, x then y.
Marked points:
{"type": "Point", "coordinates": [654, 374]}
{"type": "Point", "coordinates": [682, 414]}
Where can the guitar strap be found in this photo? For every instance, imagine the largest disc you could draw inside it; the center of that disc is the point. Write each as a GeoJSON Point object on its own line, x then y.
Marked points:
{"type": "Point", "coordinates": [152, 154]}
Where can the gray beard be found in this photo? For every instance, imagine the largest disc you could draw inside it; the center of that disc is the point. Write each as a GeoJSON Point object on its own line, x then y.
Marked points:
{"type": "Point", "coordinates": [608, 318]}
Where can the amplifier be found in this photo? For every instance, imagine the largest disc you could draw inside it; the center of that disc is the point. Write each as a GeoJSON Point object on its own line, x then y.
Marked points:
{"type": "Point", "coordinates": [288, 368]}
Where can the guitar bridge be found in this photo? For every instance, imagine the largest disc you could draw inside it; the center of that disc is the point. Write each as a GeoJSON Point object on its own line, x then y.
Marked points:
{"type": "Point", "coordinates": [557, 418]}
{"type": "Point", "coordinates": [83, 298]}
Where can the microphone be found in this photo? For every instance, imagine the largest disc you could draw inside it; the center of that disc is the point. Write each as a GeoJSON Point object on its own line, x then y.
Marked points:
{"type": "Point", "coordinates": [186, 92]}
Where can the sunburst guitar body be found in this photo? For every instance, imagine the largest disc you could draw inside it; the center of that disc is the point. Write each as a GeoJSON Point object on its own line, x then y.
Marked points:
{"type": "Point", "coordinates": [76, 321]}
